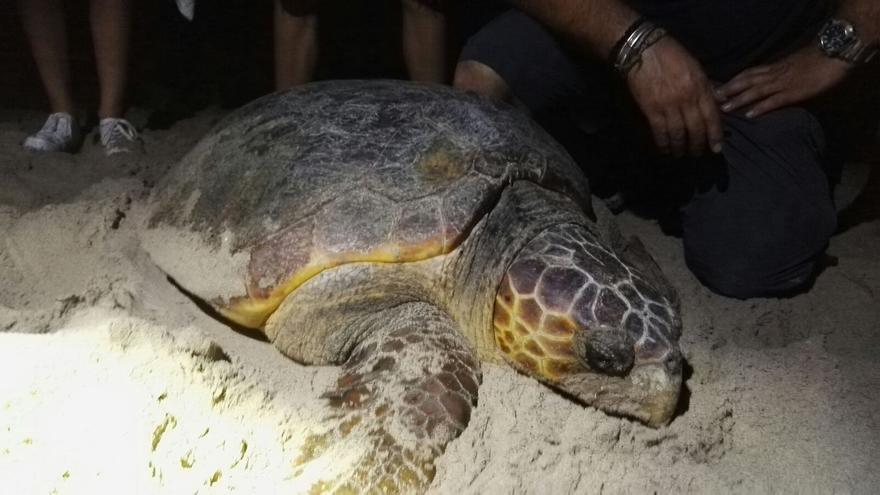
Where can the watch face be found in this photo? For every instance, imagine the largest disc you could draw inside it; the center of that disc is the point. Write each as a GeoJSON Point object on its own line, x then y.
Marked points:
{"type": "Point", "coordinates": [836, 36]}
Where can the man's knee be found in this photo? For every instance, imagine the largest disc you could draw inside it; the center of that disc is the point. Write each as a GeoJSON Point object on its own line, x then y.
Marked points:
{"type": "Point", "coordinates": [738, 279]}
{"type": "Point", "coordinates": [789, 130]}
{"type": "Point", "coordinates": [762, 263]}
{"type": "Point", "coordinates": [481, 79]}
{"type": "Point", "coordinates": [763, 214]}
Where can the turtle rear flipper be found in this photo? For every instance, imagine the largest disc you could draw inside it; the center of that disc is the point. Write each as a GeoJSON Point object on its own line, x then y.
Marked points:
{"type": "Point", "coordinates": [406, 390]}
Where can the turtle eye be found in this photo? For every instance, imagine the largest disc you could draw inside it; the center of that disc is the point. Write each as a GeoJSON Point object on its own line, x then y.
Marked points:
{"type": "Point", "coordinates": [606, 349]}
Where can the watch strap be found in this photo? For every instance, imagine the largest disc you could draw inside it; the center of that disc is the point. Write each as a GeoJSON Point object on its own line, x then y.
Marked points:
{"type": "Point", "coordinates": [859, 52]}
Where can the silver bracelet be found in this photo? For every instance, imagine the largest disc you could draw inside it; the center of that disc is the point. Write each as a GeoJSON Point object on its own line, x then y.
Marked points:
{"type": "Point", "coordinates": [630, 53]}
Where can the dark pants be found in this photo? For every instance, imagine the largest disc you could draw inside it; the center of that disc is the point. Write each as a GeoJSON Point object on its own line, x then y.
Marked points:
{"type": "Point", "coordinates": [755, 221]}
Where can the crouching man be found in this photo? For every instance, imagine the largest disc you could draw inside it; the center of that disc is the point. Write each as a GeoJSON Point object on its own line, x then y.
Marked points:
{"type": "Point", "coordinates": [721, 86]}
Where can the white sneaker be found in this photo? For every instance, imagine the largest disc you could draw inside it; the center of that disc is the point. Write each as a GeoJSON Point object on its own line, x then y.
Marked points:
{"type": "Point", "coordinates": [59, 133]}
{"type": "Point", "coordinates": [119, 136]}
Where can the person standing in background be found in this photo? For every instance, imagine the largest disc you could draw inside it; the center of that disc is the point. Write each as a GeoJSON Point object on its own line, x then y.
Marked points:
{"type": "Point", "coordinates": [46, 31]}
{"type": "Point", "coordinates": [296, 41]}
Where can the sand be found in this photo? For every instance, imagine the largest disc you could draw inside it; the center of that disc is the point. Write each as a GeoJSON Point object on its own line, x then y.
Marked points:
{"type": "Point", "coordinates": [115, 382]}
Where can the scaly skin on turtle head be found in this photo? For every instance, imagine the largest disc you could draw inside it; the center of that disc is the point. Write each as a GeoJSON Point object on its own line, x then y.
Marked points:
{"type": "Point", "coordinates": [570, 313]}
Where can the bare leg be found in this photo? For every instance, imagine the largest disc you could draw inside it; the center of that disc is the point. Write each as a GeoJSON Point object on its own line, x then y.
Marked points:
{"type": "Point", "coordinates": [111, 26]}
{"type": "Point", "coordinates": [43, 22]}
{"type": "Point", "coordinates": [296, 48]}
{"type": "Point", "coordinates": [424, 42]}
{"type": "Point", "coordinates": [481, 79]}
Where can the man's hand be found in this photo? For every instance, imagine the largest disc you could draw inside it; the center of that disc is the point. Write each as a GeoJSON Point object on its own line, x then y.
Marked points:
{"type": "Point", "coordinates": [677, 99]}
{"type": "Point", "coordinates": [796, 78]}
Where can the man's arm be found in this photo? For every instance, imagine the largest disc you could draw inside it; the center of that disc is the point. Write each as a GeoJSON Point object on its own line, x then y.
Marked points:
{"type": "Point", "coordinates": [669, 85]}
{"type": "Point", "coordinates": [802, 75]}
{"type": "Point", "coordinates": [865, 16]}
{"type": "Point", "coordinates": [594, 26]}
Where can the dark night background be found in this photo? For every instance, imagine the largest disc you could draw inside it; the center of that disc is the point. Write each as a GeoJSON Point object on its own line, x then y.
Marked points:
{"type": "Point", "coordinates": [224, 57]}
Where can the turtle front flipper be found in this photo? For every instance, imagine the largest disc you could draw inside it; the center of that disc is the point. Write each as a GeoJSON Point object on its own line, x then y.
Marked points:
{"type": "Point", "coordinates": [406, 390]}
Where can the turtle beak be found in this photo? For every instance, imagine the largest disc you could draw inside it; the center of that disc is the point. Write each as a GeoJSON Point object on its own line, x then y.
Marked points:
{"type": "Point", "coordinates": [658, 387]}
{"type": "Point", "coordinates": [648, 393]}
{"type": "Point", "coordinates": [640, 379]}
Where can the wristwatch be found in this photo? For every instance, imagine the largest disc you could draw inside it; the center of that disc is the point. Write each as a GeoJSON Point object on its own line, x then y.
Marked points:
{"type": "Point", "coordinates": [838, 39]}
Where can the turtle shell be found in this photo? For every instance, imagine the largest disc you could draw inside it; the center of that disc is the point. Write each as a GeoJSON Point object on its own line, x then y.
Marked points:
{"type": "Point", "coordinates": [350, 171]}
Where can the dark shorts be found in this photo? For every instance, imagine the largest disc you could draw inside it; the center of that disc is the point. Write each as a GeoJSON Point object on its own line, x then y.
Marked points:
{"type": "Point", "coordinates": [754, 221]}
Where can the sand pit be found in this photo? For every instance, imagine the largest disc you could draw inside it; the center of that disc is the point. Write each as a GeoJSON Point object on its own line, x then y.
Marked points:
{"type": "Point", "coordinates": [115, 382]}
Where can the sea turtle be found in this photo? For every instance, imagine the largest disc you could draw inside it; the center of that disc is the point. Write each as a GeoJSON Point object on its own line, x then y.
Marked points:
{"type": "Point", "coordinates": [407, 232]}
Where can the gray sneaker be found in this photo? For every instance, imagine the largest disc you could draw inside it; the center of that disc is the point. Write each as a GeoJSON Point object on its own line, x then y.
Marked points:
{"type": "Point", "coordinates": [119, 136]}
{"type": "Point", "coordinates": [60, 133]}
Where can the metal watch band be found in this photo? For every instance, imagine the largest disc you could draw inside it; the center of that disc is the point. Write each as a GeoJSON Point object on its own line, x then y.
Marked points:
{"type": "Point", "coordinates": [838, 39]}
{"type": "Point", "coordinates": [859, 52]}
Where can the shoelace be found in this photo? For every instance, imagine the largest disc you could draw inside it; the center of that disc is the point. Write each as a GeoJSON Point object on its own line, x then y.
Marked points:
{"type": "Point", "coordinates": [63, 126]}
{"type": "Point", "coordinates": [120, 127]}
{"type": "Point", "coordinates": [56, 124]}
{"type": "Point", "coordinates": [48, 126]}
{"type": "Point", "coordinates": [124, 128]}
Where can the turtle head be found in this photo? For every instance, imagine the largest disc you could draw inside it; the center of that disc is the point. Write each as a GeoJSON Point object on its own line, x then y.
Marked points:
{"type": "Point", "coordinates": [570, 313]}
